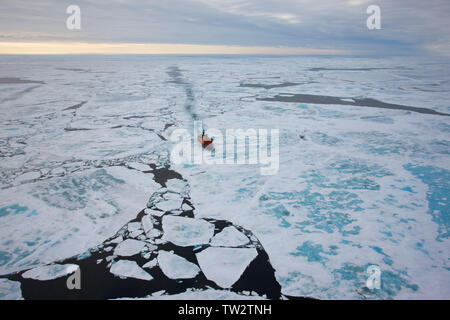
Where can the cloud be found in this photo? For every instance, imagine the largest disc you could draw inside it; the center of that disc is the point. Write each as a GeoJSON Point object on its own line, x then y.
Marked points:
{"type": "Point", "coordinates": [408, 26]}
{"type": "Point", "coordinates": [358, 2]}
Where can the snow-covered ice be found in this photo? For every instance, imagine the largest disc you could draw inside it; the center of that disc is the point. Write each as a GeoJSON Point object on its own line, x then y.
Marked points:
{"type": "Point", "coordinates": [10, 290]}
{"type": "Point", "coordinates": [147, 224]}
{"type": "Point", "coordinates": [356, 185]}
{"type": "Point", "coordinates": [186, 231]}
{"type": "Point", "coordinates": [150, 264]}
{"type": "Point", "coordinates": [225, 266]}
{"type": "Point", "coordinates": [176, 267]}
{"type": "Point", "coordinates": [49, 272]}
{"type": "Point", "coordinates": [129, 247]}
{"type": "Point", "coordinates": [129, 269]}
{"type": "Point", "coordinates": [176, 185]}
{"type": "Point", "coordinates": [229, 237]}
{"type": "Point", "coordinates": [156, 213]}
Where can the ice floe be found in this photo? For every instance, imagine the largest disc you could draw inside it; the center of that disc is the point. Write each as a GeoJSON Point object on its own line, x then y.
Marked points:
{"type": "Point", "coordinates": [147, 224]}
{"type": "Point", "coordinates": [176, 267]}
{"type": "Point", "coordinates": [224, 266]}
{"type": "Point", "coordinates": [186, 207]}
{"type": "Point", "coordinates": [150, 264]}
{"type": "Point", "coordinates": [169, 205]}
{"type": "Point", "coordinates": [129, 247]}
{"type": "Point", "coordinates": [49, 272]}
{"type": "Point", "coordinates": [134, 226]}
{"type": "Point", "coordinates": [10, 290]}
{"type": "Point", "coordinates": [229, 237]}
{"type": "Point", "coordinates": [186, 231]}
{"type": "Point", "coordinates": [152, 212]}
{"type": "Point", "coordinates": [28, 176]}
{"type": "Point", "coordinates": [177, 185]}
{"type": "Point", "coordinates": [129, 269]}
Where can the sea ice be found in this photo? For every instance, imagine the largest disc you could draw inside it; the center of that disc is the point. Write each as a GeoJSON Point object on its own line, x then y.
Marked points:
{"type": "Point", "coordinates": [176, 185]}
{"type": "Point", "coordinates": [129, 269]}
{"type": "Point", "coordinates": [117, 239]}
{"type": "Point", "coordinates": [186, 207]}
{"type": "Point", "coordinates": [134, 226]}
{"type": "Point", "coordinates": [168, 205]}
{"type": "Point", "coordinates": [224, 266]}
{"type": "Point", "coordinates": [28, 176]}
{"type": "Point", "coordinates": [139, 166]}
{"type": "Point", "coordinates": [172, 196]}
{"type": "Point", "coordinates": [147, 224]}
{"type": "Point", "coordinates": [152, 212]}
{"type": "Point", "coordinates": [153, 233]}
{"type": "Point", "coordinates": [176, 267]}
{"type": "Point", "coordinates": [10, 290]}
{"type": "Point", "coordinates": [137, 233]}
{"type": "Point", "coordinates": [229, 237]}
{"type": "Point", "coordinates": [152, 263]}
{"type": "Point", "coordinates": [186, 231]}
{"type": "Point", "coordinates": [49, 272]}
{"type": "Point", "coordinates": [129, 247]}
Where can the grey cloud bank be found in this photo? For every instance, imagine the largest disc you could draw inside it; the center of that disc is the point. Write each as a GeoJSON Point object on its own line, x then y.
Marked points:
{"type": "Point", "coordinates": [408, 27]}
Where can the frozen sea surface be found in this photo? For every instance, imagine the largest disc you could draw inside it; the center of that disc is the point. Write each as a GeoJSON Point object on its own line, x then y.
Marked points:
{"type": "Point", "coordinates": [357, 184]}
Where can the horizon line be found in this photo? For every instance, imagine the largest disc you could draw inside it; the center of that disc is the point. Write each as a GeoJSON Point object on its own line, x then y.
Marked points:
{"type": "Point", "coordinates": [66, 48]}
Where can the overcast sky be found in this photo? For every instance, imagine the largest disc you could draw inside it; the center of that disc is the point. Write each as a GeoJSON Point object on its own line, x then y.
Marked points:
{"type": "Point", "coordinates": [407, 26]}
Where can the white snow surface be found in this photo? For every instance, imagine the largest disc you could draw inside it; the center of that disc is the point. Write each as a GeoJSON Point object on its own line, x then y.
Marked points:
{"type": "Point", "coordinates": [225, 266]}
{"type": "Point", "coordinates": [10, 290]}
{"type": "Point", "coordinates": [129, 269]}
{"type": "Point", "coordinates": [176, 267]}
{"type": "Point", "coordinates": [229, 237]}
{"type": "Point", "coordinates": [50, 272]}
{"type": "Point", "coordinates": [184, 231]}
{"type": "Point", "coordinates": [129, 247]}
{"type": "Point", "coordinates": [363, 186]}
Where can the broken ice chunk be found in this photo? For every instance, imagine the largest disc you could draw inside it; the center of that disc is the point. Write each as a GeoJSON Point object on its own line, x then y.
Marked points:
{"type": "Point", "coordinates": [176, 267]}
{"type": "Point", "coordinates": [154, 233]}
{"type": "Point", "coordinates": [150, 264]}
{"type": "Point", "coordinates": [177, 185]}
{"type": "Point", "coordinates": [50, 272]}
{"type": "Point", "coordinates": [156, 213]}
{"type": "Point", "coordinates": [186, 231]}
{"type": "Point", "coordinates": [172, 196]}
{"type": "Point", "coordinates": [134, 226]}
{"type": "Point", "coordinates": [169, 205]}
{"type": "Point", "coordinates": [145, 255]}
{"type": "Point", "coordinates": [225, 266]}
{"type": "Point", "coordinates": [129, 269]}
{"type": "Point", "coordinates": [129, 247]}
{"type": "Point", "coordinates": [229, 237]}
{"type": "Point", "coordinates": [118, 239]}
{"type": "Point", "coordinates": [151, 247]}
{"type": "Point", "coordinates": [136, 233]}
{"type": "Point", "coordinates": [186, 207]}
{"type": "Point", "coordinates": [28, 176]}
{"type": "Point", "coordinates": [10, 290]}
{"type": "Point", "coordinates": [84, 255]}
{"type": "Point", "coordinates": [147, 224]}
